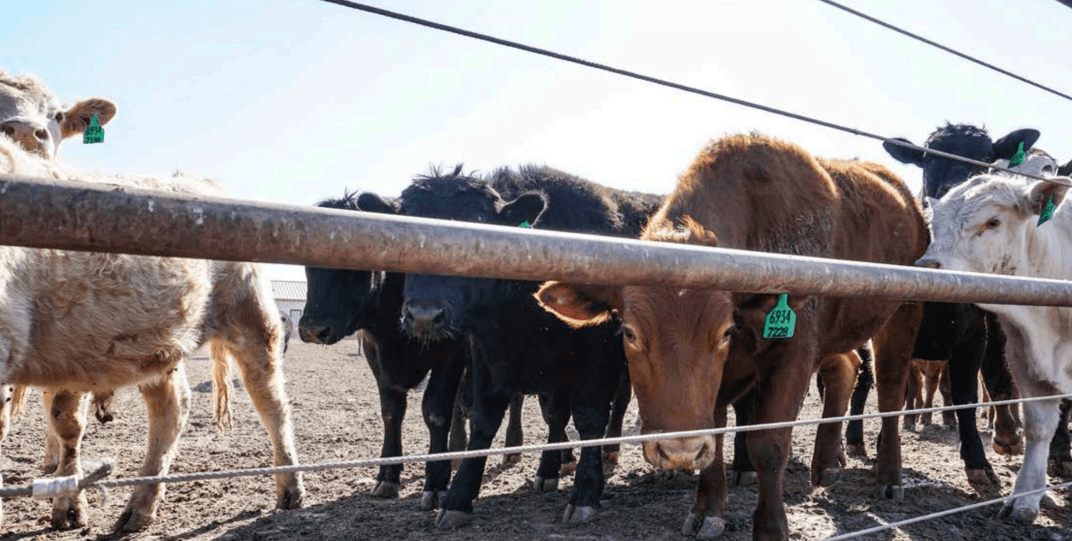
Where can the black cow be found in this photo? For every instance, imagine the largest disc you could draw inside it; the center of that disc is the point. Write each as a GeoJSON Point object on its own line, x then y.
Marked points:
{"type": "Point", "coordinates": [514, 344]}
{"type": "Point", "coordinates": [969, 337]}
{"type": "Point", "coordinates": [341, 302]}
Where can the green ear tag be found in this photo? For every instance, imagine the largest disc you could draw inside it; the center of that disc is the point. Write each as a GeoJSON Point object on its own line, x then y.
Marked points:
{"type": "Point", "coordinates": [781, 320]}
{"type": "Point", "coordinates": [94, 133]}
{"type": "Point", "coordinates": [1047, 212]}
{"type": "Point", "coordinates": [525, 224]}
{"type": "Point", "coordinates": [1019, 157]}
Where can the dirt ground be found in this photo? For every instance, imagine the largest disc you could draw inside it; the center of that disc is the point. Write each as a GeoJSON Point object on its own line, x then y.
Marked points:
{"type": "Point", "coordinates": [337, 418]}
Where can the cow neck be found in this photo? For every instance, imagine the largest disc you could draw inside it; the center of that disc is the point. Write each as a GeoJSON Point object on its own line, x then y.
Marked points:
{"type": "Point", "coordinates": [385, 300]}
{"type": "Point", "coordinates": [1046, 246]}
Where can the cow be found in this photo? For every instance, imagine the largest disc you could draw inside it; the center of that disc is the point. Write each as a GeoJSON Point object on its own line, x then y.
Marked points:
{"type": "Point", "coordinates": [692, 352]}
{"type": "Point", "coordinates": [341, 302]}
{"type": "Point", "coordinates": [32, 116]}
{"type": "Point", "coordinates": [77, 322]}
{"type": "Point", "coordinates": [967, 338]}
{"type": "Point", "coordinates": [964, 334]}
{"type": "Point", "coordinates": [288, 329]}
{"type": "Point", "coordinates": [992, 224]}
{"type": "Point", "coordinates": [514, 345]}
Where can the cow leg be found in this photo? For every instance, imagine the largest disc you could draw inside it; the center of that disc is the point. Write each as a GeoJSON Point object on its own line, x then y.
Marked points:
{"type": "Point", "coordinates": [591, 406]}
{"type": "Point", "coordinates": [1059, 445]}
{"type": "Point", "coordinates": [707, 520]}
{"type": "Point", "coordinates": [167, 402]}
{"type": "Point", "coordinates": [617, 416]}
{"type": "Point", "coordinates": [437, 407]}
{"type": "Point", "coordinates": [865, 379]}
{"type": "Point", "coordinates": [1000, 386]}
{"type": "Point", "coordinates": [67, 424]}
{"type": "Point", "coordinates": [931, 373]}
{"type": "Point", "coordinates": [964, 363]}
{"type": "Point", "coordinates": [893, 356]}
{"type": "Point", "coordinates": [556, 413]}
{"type": "Point", "coordinates": [742, 472]}
{"type": "Point", "coordinates": [949, 418]}
{"type": "Point", "coordinates": [489, 407]}
{"type": "Point", "coordinates": [912, 395]}
{"type": "Point", "coordinates": [514, 434]}
{"type": "Point", "coordinates": [392, 413]}
{"type": "Point", "coordinates": [1040, 420]}
{"type": "Point", "coordinates": [53, 445]}
{"type": "Point", "coordinates": [463, 407]}
{"type": "Point", "coordinates": [839, 374]}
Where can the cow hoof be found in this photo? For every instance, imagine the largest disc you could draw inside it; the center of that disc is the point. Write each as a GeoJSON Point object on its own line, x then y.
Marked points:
{"type": "Point", "coordinates": [826, 477]}
{"type": "Point", "coordinates": [510, 460]}
{"type": "Point", "coordinates": [545, 485]}
{"type": "Point", "coordinates": [385, 489]}
{"type": "Point", "coordinates": [983, 477]}
{"type": "Point", "coordinates": [67, 519]}
{"type": "Point", "coordinates": [706, 527]}
{"type": "Point", "coordinates": [610, 458]}
{"type": "Point", "coordinates": [448, 520]}
{"type": "Point", "coordinates": [433, 500]}
{"type": "Point", "coordinates": [131, 521]}
{"type": "Point", "coordinates": [294, 498]}
{"type": "Point", "coordinates": [889, 492]}
{"type": "Point", "coordinates": [567, 469]}
{"type": "Point", "coordinates": [857, 450]}
{"type": "Point", "coordinates": [1011, 513]}
{"type": "Point", "coordinates": [49, 468]}
{"type": "Point", "coordinates": [743, 478]}
{"type": "Point", "coordinates": [577, 515]}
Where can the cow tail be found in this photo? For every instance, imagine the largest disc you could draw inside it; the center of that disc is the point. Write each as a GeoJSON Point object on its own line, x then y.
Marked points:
{"type": "Point", "coordinates": [222, 386]}
{"type": "Point", "coordinates": [18, 399]}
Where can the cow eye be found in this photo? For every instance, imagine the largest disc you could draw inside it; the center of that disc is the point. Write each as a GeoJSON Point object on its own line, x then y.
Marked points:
{"type": "Point", "coordinates": [628, 333]}
{"type": "Point", "coordinates": [993, 223]}
{"type": "Point", "coordinates": [59, 116]}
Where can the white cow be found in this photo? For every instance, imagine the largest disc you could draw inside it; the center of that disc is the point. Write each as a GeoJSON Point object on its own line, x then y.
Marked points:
{"type": "Point", "coordinates": [990, 224]}
{"type": "Point", "coordinates": [77, 322]}
{"type": "Point", "coordinates": [31, 115]}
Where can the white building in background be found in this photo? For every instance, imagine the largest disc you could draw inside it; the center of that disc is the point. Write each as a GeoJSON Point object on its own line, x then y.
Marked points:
{"type": "Point", "coordinates": [290, 298]}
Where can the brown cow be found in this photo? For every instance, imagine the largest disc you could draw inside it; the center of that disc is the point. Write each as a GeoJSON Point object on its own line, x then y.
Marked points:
{"type": "Point", "coordinates": [692, 352]}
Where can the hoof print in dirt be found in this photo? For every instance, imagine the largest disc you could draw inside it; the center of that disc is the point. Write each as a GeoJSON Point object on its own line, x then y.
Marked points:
{"type": "Point", "coordinates": [447, 520]}
{"type": "Point", "coordinates": [889, 492]}
{"type": "Point", "coordinates": [432, 500]}
{"type": "Point", "coordinates": [385, 489]}
{"type": "Point", "coordinates": [743, 478]}
{"type": "Point", "coordinates": [706, 527]}
{"type": "Point", "coordinates": [545, 485]}
{"type": "Point", "coordinates": [577, 515]}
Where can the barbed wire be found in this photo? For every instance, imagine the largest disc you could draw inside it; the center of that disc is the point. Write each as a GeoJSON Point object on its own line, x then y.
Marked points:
{"type": "Point", "coordinates": [1066, 181]}
{"type": "Point", "coordinates": [944, 48]}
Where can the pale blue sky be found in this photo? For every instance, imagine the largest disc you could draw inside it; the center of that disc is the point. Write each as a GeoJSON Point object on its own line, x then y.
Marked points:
{"type": "Point", "coordinates": [294, 101]}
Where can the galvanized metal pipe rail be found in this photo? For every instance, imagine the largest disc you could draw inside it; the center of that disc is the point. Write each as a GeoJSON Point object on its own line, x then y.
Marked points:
{"type": "Point", "coordinates": [42, 213]}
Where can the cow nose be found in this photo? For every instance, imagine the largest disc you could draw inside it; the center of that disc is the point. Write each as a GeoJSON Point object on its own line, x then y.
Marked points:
{"type": "Point", "coordinates": [928, 263]}
{"type": "Point", "coordinates": [29, 136]}
{"type": "Point", "coordinates": [680, 454]}
{"type": "Point", "coordinates": [313, 333]}
{"type": "Point", "coordinates": [424, 317]}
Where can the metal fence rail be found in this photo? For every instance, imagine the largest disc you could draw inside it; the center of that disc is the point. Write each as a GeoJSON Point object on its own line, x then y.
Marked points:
{"type": "Point", "coordinates": [94, 217]}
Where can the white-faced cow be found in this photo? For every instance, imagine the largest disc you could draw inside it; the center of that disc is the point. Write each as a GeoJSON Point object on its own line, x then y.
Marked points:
{"type": "Point", "coordinates": [692, 352]}
{"type": "Point", "coordinates": [31, 115]}
{"type": "Point", "coordinates": [77, 322]}
{"type": "Point", "coordinates": [991, 224]}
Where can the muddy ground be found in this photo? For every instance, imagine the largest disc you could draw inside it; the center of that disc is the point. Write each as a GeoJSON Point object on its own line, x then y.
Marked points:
{"type": "Point", "coordinates": [337, 418]}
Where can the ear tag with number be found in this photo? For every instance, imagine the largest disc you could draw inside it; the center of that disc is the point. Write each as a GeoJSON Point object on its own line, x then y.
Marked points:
{"type": "Point", "coordinates": [1047, 212]}
{"type": "Point", "coordinates": [1019, 157]}
{"type": "Point", "coordinates": [94, 133]}
{"type": "Point", "coordinates": [525, 224]}
{"type": "Point", "coordinates": [781, 320]}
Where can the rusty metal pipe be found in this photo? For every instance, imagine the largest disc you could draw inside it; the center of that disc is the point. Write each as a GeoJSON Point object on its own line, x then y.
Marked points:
{"type": "Point", "coordinates": [42, 213]}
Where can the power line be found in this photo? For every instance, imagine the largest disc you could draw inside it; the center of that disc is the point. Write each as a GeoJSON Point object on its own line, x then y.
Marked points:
{"type": "Point", "coordinates": [662, 82]}
{"type": "Point", "coordinates": [949, 50]}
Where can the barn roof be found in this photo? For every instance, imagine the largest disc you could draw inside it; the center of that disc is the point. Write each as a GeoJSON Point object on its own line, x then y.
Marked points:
{"type": "Point", "coordinates": [284, 290]}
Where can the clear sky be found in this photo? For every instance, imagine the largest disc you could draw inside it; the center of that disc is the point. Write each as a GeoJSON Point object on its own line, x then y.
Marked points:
{"type": "Point", "coordinates": [293, 101]}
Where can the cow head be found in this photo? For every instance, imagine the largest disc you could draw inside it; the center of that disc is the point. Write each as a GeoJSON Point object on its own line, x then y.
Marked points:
{"type": "Point", "coordinates": [940, 174]}
{"type": "Point", "coordinates": [31, 115]}
{"type": "Point", "coordinates": [338, 300]}
{"type": "Point", "coordinates": [677, 342]}
{"type": "Point", "coordinates": [989, 224]}
{"type": "Point", "coordinates": [436, 307]}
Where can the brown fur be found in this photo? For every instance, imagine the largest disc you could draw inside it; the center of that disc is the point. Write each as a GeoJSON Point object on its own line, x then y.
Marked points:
{"type": "Point", "coordinates": [756, 193]}
{"type": "Point", "coordinates": [77, 322]}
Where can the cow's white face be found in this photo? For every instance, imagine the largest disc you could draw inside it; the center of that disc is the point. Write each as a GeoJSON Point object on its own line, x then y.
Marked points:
{"type": "Point", "coordinates": [31, 115]}
{"type": "Point", "coordinates": [988, 225]}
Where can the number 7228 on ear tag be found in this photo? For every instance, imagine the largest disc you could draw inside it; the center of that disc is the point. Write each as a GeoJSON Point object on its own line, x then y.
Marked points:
{"type": "Point", "coordinates": [781, 320]}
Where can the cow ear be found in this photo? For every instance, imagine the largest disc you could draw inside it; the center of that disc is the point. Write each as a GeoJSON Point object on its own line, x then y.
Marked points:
{"type": "Point", "coordinates": [370, 202]}
{"type": "Point", "coordinates": [76, 119]}
{"type": "Point", "coordinates": [1038, 195]}
{"type": "Point", "coordinates": [1006, 147]}
{"type": "Point", "coordinates": [526, 208]}
{"type": "Point", "coordinates": [902, 154]}
{"type": "Point", "coordinates": [1065, 170]}
{"type": "Point", "coordinates": [580, 305]}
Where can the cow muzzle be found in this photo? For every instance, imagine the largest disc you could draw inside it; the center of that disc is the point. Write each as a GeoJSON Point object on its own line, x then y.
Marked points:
{"type": "Point", "coordinates": [425, 319]}
{"type": "Point", "coordinates": [316, 332]}
{"type": "Point", "coordinates": [29, 136]}
{"type": "Point", "coordinates": [681, 454]}
{"type": "Point", "coordinates": [928, 263]}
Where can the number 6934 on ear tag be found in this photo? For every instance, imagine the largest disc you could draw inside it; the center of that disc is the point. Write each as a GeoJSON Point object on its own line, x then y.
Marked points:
{"type": "Point", "coordinates": [781, 320]}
